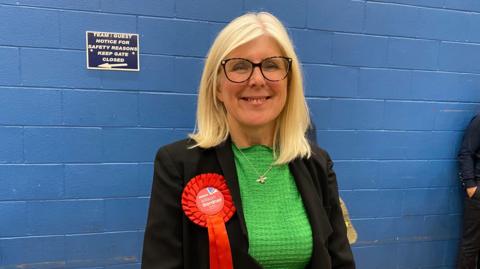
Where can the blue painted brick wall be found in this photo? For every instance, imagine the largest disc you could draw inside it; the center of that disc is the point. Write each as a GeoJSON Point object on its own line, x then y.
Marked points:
{"type": "Point", "coordinates": [391, 86]}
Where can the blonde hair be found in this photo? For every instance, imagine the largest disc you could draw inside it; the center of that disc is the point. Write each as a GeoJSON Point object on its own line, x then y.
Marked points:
{"type": "Point", "coordinates": [289, 140]}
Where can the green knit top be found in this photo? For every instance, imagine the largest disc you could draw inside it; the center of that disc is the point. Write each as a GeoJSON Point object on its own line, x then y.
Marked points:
{"type": "Point", "coordinates": [279, 232]}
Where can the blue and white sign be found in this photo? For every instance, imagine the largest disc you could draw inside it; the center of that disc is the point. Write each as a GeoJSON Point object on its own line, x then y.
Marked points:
{"type": "Point", "coordinates": [113, 51]}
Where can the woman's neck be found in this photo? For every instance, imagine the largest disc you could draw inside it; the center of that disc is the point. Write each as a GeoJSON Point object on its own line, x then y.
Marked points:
{"type": "Point", "coordinates": [249, 136]}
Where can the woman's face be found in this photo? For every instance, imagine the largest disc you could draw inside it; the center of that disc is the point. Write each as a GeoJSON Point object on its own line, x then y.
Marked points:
{"type": "Point", "coordinates": [257, 102]}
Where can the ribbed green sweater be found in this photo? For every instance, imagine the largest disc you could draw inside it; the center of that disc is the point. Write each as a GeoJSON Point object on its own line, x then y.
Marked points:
{"type": "Point", "coordinates": [279, 232]}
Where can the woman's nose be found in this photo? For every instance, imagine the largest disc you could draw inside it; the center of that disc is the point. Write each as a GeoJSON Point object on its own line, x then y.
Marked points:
{"type": "Point", "coordinates": [257, 77]}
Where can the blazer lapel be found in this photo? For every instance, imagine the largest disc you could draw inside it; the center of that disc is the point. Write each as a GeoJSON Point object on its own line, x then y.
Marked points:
{"type": "Point", "coordinates": [313, 206]}
{"type": "Point", "coordinates": [227, 164]}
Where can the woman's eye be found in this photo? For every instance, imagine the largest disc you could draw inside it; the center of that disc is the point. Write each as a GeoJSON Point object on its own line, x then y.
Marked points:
{"type": "Point", "coordinates": [270, 65]}
{"type": "Point", "coordinates": [239, 67]}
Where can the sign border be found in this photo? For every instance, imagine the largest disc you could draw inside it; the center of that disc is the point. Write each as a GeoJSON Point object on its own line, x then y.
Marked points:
{"type": "Point", "coordinates": [112, 69]}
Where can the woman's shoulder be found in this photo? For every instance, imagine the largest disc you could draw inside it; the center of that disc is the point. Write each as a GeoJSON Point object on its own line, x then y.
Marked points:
{"type": "Point", "coordinates": [177, 148]}
{"type": "Point", "coordinates": [319, 154]}
{"type": "Point", "coordinates": [184, 149]}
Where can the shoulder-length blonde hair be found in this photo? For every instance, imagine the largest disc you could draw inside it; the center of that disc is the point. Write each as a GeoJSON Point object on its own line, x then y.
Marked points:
{"type": "Point", "coordinates": [289, 140]}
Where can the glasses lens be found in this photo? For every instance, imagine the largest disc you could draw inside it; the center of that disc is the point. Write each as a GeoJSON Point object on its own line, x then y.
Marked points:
{"type": "Point", "coordinates": [238, 70]}
{"type": "Point", "coordinates": [275, 68]}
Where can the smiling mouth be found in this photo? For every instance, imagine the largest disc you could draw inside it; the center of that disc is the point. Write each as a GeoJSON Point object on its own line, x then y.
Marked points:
{"type": "Point", "coordinates": [256, 100]}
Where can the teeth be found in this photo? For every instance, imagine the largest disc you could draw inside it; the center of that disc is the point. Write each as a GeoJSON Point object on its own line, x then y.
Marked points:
{"type": "Point", "coordinates": [251, 99]}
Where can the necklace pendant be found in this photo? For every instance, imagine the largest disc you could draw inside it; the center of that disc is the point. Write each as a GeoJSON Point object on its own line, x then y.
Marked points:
{"type": "Point", "coordinates": [261, 179]}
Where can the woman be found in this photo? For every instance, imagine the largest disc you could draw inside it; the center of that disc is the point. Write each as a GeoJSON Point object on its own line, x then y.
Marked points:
{"type": "Point", "coordinates": [251, 123]}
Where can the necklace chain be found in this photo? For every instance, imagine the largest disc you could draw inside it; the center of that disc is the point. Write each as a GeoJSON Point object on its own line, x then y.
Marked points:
{"type": "Point", "coordinates": [261, 177]}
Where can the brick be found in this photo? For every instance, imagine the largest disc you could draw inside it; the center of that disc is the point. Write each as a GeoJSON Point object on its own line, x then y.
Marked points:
{"type": "Point", "coordinates": [473, 34]}
{"type": "Point", "coordinates": [65, 217]}
{"type": "Point", "coordinates": [335, 15]}
{"type": "Point", "coordinates": [352, 174]}
{"type": "Point", "coordinates": [405, 115]}
{"type": "Point", "coordinates": [30, 182]}
{"type": "Point", "coordinates": [35, 20]}
{"type": "Point", "coordinates": [363, 145]}
{"type": "Point", "coordinates": [430, 145]}
{"type": "Point", "coordinates": [88, 108]}
{"type": "Point", "coordinates": [103, 249]}
{"type": "Point", "coordinates": [380, 230]}
{"type": "Point", "coordinates": [292, 14]}
{"type": "Point", "coordinates": [456, 199]}
{"type": "Point", "coordinates": [313, 46]}
{"type": "Point", "coordinates": [176, 36]}
{"type": "Point", "coordinates": [73, 26]}
{"type": "Point", "coordinates": [409, 228]}
{"type": "Point", "coordinates": [356, 114]}
{"type": "Point", "coordinates": [163, 110]}
{"type": "Point", "coordinates": [30, 107]}
{"type": "Point", "coordinates": [155, 74]}
{"type": "Point", "coordinates": [209, 10]}
{"type": "Point", "coordinates": [69, 68]}
{"type": "Point", "coordinates": [187, 74]}
{"type": "Point", "coordinates": [11, 148]}
{"type": "Point", "coordinates": [454, 117]}
{"type": "Point", "coordinates": [359, 50]}
{"type": "Point", "coordinates": [45, 251]}
{"type": "Point", "coordinates": [417, 174]}
{"type": "Point", "coordinates": [126, 214]}
{"type": "Point", "coordinates": [425, 201]}
{"type": "Point", "coordinates": [330, 140]}
{"type": "Point", "coordinates": [420, 254]}
{"type": "Point", "coordinates": [371, 199]}
{"type": "Point", "coordinates": [445, 171]}
{"type": "Point", "coordinates": [14, 219]}
{"type": "Point", "coordinates": [320, 110]}
{"type": "Point", "coordinates": [330, 81]}
{"type": "Point", "coordinates": [164, 8]}
{"type": "Point", "coordinates": [467, 5]}
{"type": "Point", "coordinates": [66, 4]}
{"type": "Point", "coordinates": [443, 226]}
{"type": "Point", "coordinates": [142, 146]}
{"type": "Point", "coordinates": [385, 84]}
{"type": "Point", "coordinates": [413, 53]}
{"type": "Point", "coordinates": [62, 145]}
{"type": "Point", "coordinates": [396, 20]}
{"type": "Point", "coordinates": [425, 3]}
{"type": "Point", "coordinates": [104, 181]}
{"type": "Point", "coordinates": [454, 24]}
{"type": "Point", "coordinates": [10, 67]}
{"type": "Point", "coordinates": [445, 86]}
{"type": "Point", "coordinates": [124, 266]}
{"type": "Point", "coordinates": [459, 57]}
{"type": "Point", "coordinates": [389, 144]}
{"type": "Point", "coordinates": [376, 257]}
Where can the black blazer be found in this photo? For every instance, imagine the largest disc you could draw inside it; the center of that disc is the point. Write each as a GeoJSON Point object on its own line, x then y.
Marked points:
{"type": "Point", "coordinates": [173, 241]}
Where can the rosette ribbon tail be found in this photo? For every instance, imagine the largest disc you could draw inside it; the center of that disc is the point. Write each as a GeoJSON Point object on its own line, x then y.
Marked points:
{"type": "Point", "coordinates": [220, 252]}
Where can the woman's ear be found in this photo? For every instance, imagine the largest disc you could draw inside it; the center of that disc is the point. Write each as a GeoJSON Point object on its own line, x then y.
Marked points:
{"type": "Point", "coordinates": [218, 90]}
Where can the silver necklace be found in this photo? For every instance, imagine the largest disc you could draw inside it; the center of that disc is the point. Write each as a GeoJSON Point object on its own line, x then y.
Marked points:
{"type": "Point", "coordinates": [261, 177]}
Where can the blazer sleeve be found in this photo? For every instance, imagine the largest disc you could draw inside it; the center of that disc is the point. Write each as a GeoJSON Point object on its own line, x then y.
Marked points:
{"type": "Point", "coordinates": [162, 246]}
{"type": "Point", "coordinates": [467, 156]}
{"type": "Point", "coordinates": [338, 246]}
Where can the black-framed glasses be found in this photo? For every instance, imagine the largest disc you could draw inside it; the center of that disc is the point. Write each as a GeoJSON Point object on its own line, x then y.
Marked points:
{"type": "Point", "coordinates": [274, 68]}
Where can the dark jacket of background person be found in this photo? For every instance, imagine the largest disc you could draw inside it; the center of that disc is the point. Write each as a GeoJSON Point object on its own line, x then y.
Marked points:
{"type": "Point", "coordinates": [469, 252]}
{"type": "Point", "coordinates": [470, 154]}
{"type": "Point", "coordinates": [173, 241]}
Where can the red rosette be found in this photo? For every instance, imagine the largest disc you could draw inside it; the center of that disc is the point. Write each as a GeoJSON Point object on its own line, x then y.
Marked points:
{"type": "Point", "coordinates": [206, 200]}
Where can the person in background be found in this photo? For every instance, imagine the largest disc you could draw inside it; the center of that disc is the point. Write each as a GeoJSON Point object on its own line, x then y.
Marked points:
{"type": "Point", "coordinates": [247, 189]}
{"type": "Point", "coordinates": [469, 161]}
